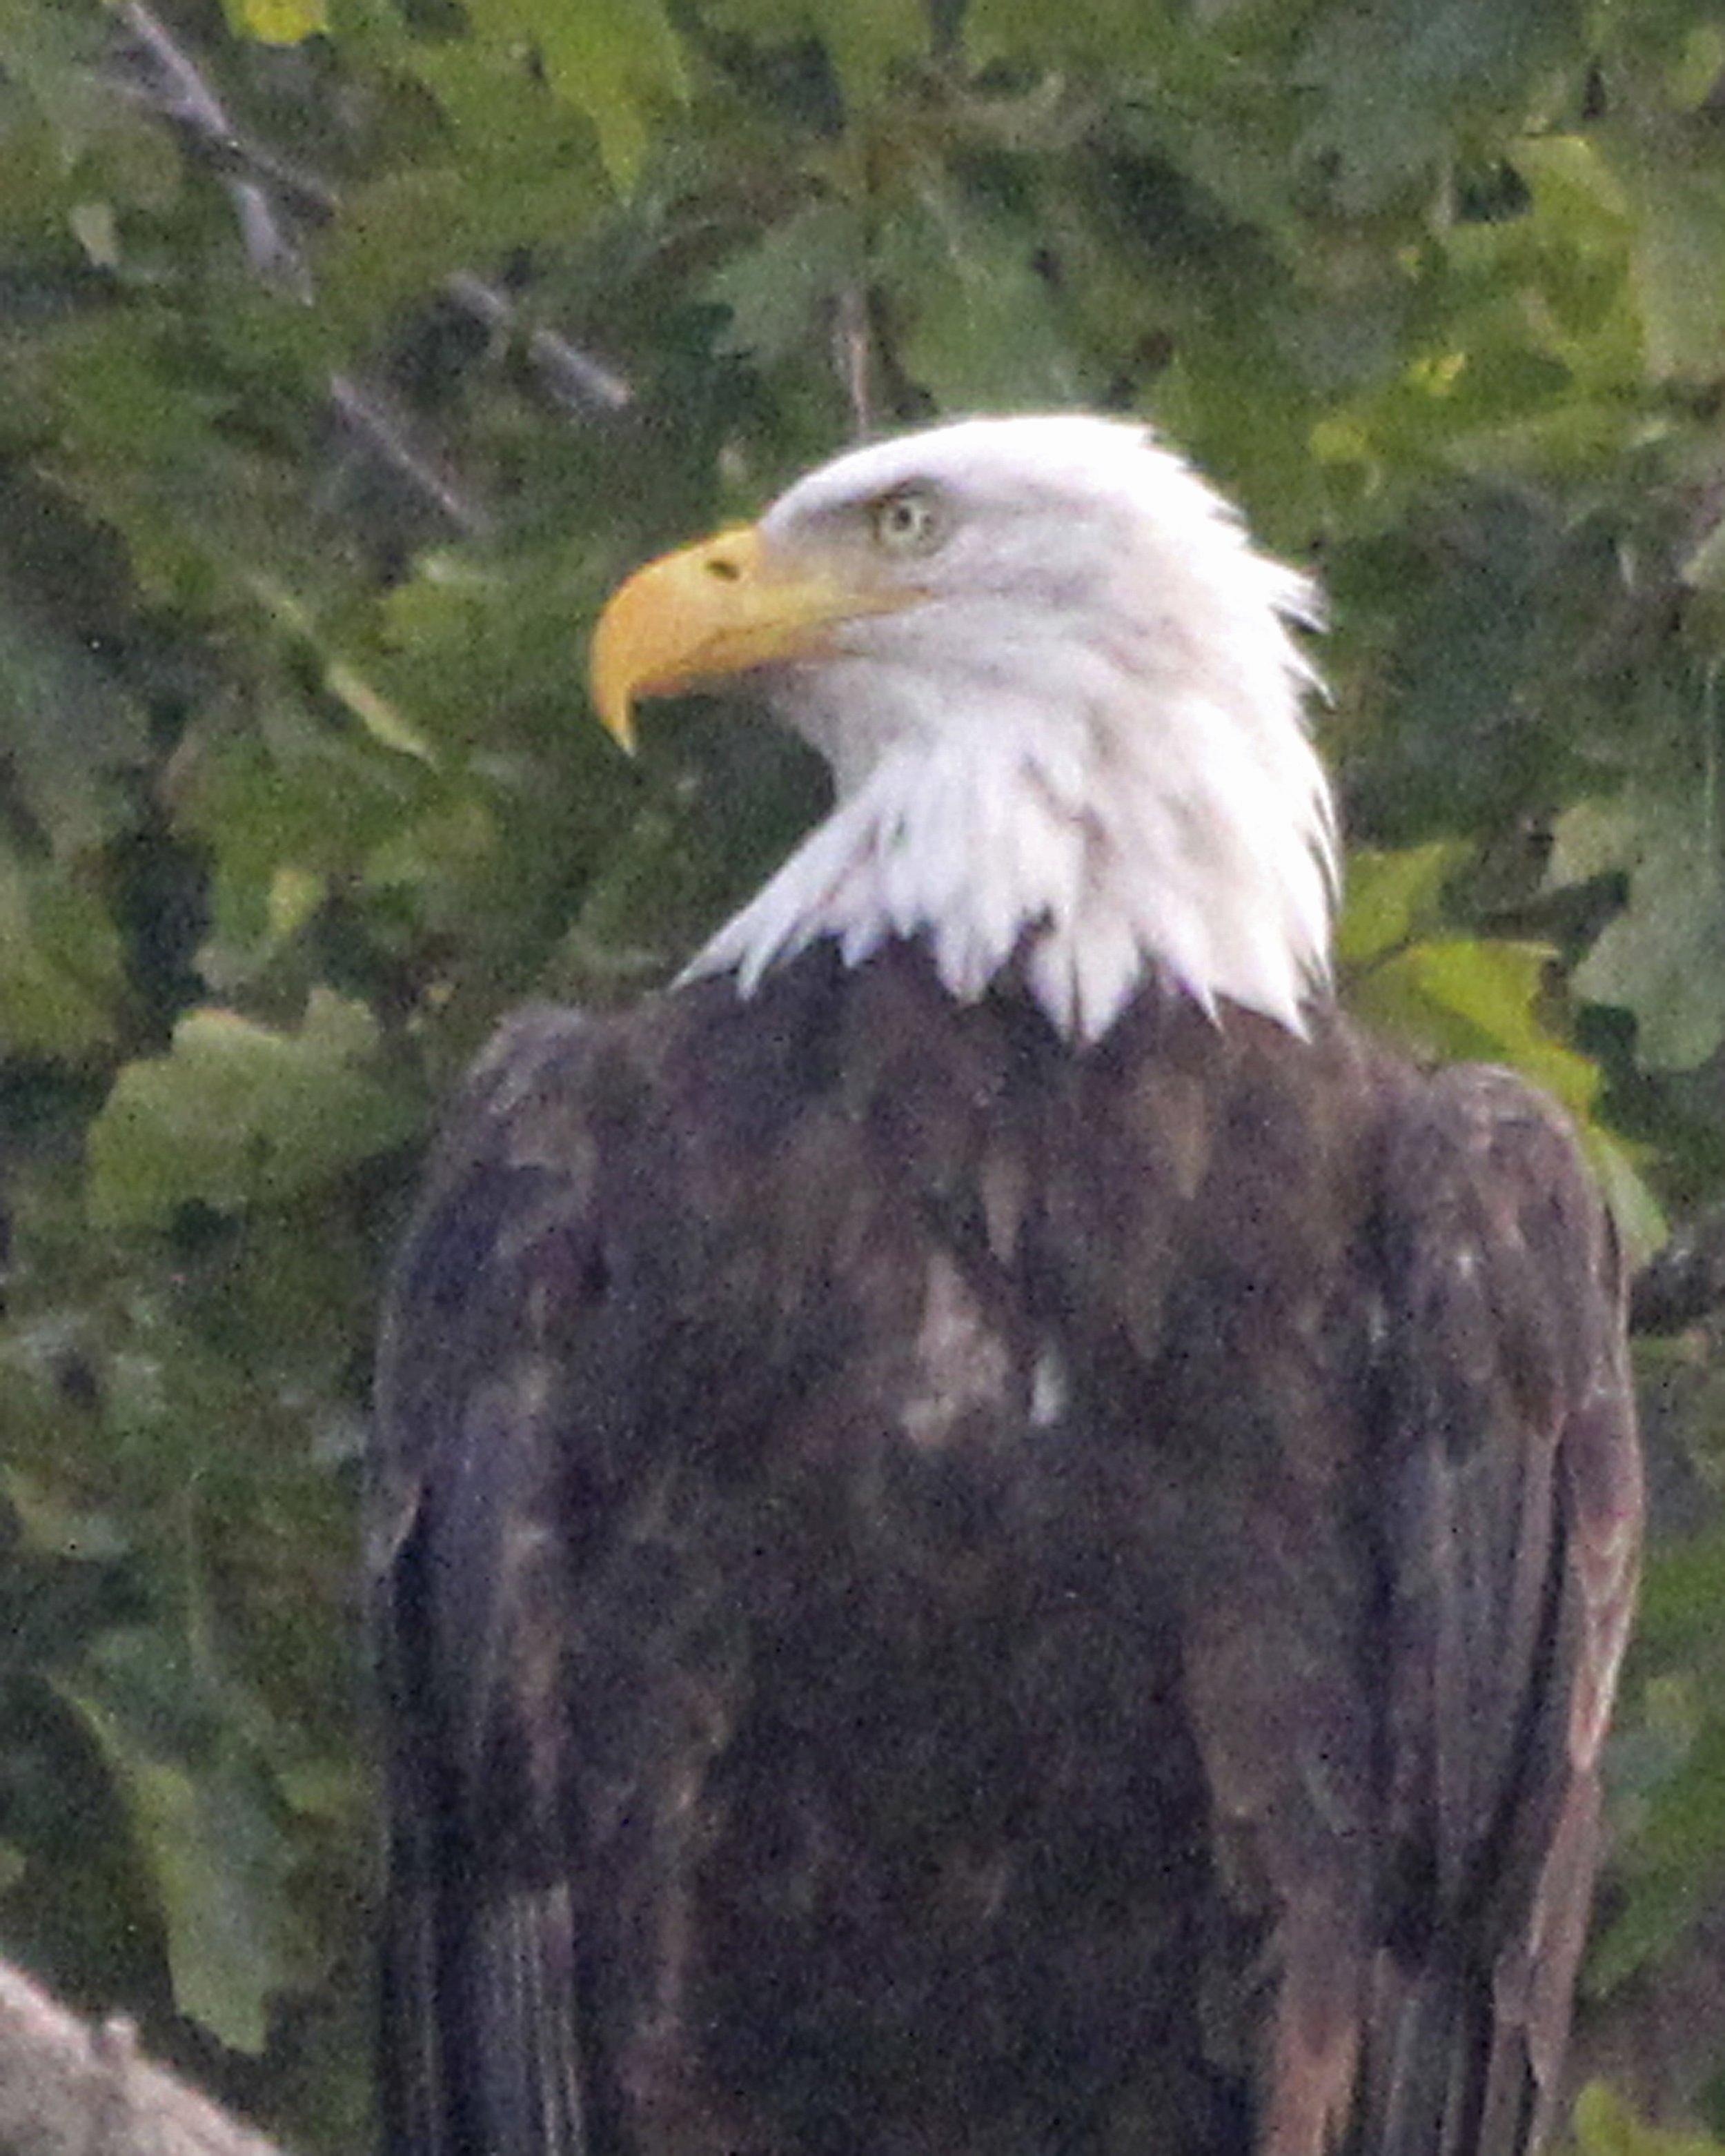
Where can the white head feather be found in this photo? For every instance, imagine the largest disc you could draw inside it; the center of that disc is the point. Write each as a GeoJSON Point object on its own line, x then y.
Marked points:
{"type": "Point", "coordinates": [1082, 744]}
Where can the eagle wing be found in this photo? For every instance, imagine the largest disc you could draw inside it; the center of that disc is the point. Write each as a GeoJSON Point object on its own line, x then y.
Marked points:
{"type": "Point", "coordinates": [469, 1532]}
{"type": "Point", "coordinates": [1509, 1507]}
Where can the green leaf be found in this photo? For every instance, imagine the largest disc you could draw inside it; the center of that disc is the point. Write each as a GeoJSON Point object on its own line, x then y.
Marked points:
{"type": "Point", "coordinates": [774, 290]}
{"type": "Point", "coordinates": [277, 22]}
{"type": "Point", "coordinates": [1675, 190]}
{"type": "Point", "coordinates": [519, 182]}
{"type": "Point", "coordinates": [866, 43]}
{"type": "Point", "coordinates": [1114, 33]}
{"type": "Point", "coordinates": [1461, 998]}
{"type": "Point", "coordinates": [1663, 957]}
{"type": "Point", "coordinates": [1630, 1199]}
{"type": "Point", "coordinates": [1392, 897]}
{"type": "Point", "coordinates": [1465, 998]}
{"type": "Point", "coordinates": [210, 1843]}
{"type": "Point", "coordinates": [618, 61]}
{"type": "Point", "coordinates": [1390, 79]}
{"type": "Point", "coordinates": [983, 325]}
{"type": "Point", "coordinates": [1605, 2125]}
{"type": "Point", "coordinates": [239, 1113]}
{"type": "Point", "coordinates": [60, 963]}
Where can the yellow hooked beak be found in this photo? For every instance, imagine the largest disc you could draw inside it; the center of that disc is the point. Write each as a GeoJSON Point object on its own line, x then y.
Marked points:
{"type": "Point", "coordinates": [714, 609]}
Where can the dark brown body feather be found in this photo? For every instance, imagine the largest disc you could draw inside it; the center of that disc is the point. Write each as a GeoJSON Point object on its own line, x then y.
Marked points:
{"type": "Point", "coordinates": [943, 1595]}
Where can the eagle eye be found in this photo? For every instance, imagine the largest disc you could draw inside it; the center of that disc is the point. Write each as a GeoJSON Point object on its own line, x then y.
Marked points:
{"type": "Point", "coordinates": [907, 521]}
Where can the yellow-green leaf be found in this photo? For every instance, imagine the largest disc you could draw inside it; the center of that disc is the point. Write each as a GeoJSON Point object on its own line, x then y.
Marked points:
{"type": "Point", "coordinates": [618, 61]}
{"type": "Point", "coordinates": [278, 22]}
{"type": "Point", "coordinates": [1605, 2125]}
{"type": "Point", "coordinates": [1466, 997]}
{"type": "Point", "coordinates": [1392, 897]}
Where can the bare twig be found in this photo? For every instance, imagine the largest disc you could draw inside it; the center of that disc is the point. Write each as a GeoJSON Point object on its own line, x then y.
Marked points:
{"type": "Point", "coordinates": [177, 87]}
{"type": "Point", "coordinates": [274, 200]}
{"type": "Point", "coordinates": [388, 432]}
{"type": "Point", "coordinates": [573, 377]}
{"type": "Point", "coordinates": [854, 356]}
{"type": "Point", "coordinates": [181, 91]}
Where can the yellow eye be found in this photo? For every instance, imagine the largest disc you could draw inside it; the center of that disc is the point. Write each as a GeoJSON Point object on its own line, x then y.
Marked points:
{"type": "Point", "coordinates": [907, 522]}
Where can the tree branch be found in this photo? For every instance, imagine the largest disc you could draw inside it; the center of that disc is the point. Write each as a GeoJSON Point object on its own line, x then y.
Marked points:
{"type": "Point", "coordinates": [70, 2088]}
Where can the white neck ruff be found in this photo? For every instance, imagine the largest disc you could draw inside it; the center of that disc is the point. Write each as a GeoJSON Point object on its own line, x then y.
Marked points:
{"type": "Point", "coordinates": [1094, 842]}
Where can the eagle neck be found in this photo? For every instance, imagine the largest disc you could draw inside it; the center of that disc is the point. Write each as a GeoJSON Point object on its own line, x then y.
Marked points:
{"type": "Point", "coordinates": [1091, 854]}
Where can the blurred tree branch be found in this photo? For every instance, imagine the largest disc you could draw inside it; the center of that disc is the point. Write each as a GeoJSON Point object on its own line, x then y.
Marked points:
{"type": "Point", "coordinates": [70, 2087]}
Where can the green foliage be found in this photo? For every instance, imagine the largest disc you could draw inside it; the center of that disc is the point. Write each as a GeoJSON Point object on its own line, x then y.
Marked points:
{"type": "Point", "coordinates": [212, 1848]}
{"type": "Point", "coordinates": [239, 1114]}
{"type": "Point", "coordinates": [1605, 2125]}
{"type": "Point", "coordinates": [351, 351]}
{"type": "Point", "coordinates": [1663, 956]}
{"type": "Point", "coordinates": [1448, 997]}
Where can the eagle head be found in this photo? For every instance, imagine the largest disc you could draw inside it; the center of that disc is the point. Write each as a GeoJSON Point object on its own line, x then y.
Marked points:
{"type": "Point", "coordinates": [1062, 704]}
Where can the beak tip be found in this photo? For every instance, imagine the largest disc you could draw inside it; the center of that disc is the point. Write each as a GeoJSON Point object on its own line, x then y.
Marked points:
{"type": "Point", "coordinates": [611, 682]}
{"type": "Point", "coordinates": [617, 715]}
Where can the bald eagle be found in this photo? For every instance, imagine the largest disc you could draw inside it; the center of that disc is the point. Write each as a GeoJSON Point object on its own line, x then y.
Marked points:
{"type": "Point", "coordinates": [992, 1534]}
